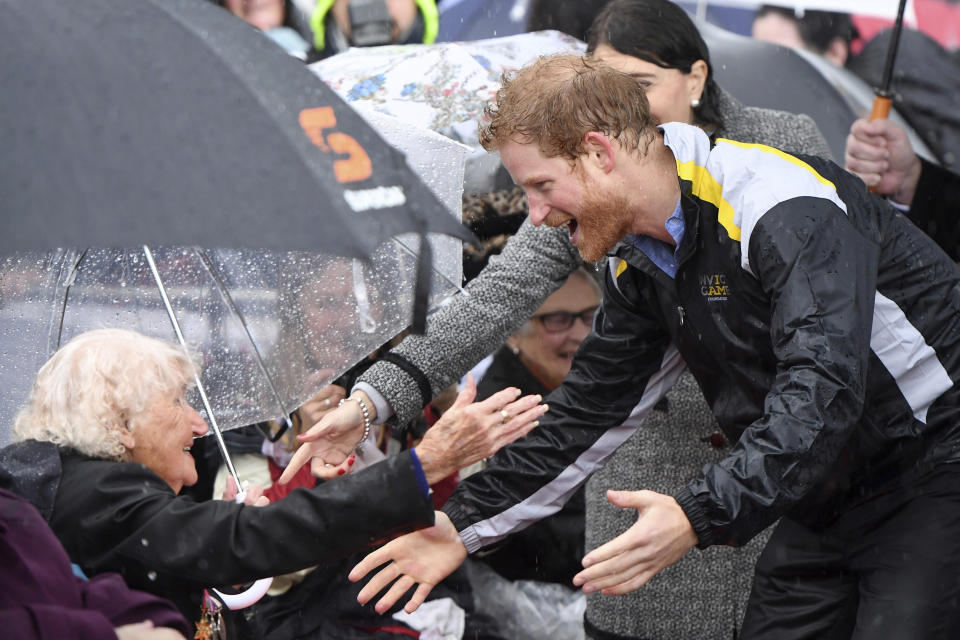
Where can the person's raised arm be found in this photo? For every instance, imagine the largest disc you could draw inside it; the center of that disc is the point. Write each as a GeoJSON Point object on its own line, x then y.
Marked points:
{"type": "Point", "coordinates": [534, 264]}
{"type": "Point", "coordinates": [466, 433]}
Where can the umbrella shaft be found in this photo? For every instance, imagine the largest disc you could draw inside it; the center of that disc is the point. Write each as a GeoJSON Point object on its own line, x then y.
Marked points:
{"type": "Point", "coordinates": [196, 377]}
{"type": "Point", "coordinates": [892, 50]}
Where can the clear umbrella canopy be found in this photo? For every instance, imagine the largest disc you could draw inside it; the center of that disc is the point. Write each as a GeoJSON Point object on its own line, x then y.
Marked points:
{"type": "Point", "coordinates": [268, 329]}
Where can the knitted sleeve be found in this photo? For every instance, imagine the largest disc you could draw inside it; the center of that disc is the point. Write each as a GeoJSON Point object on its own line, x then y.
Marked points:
{"type": "Point", "coordinates": [534, 263]}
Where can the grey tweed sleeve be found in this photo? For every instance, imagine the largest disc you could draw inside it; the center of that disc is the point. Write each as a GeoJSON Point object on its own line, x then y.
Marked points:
{"type": "Point", "coordinates": [533, 264]}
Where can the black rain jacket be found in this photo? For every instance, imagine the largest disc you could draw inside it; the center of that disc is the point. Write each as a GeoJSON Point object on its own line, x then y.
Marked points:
{"type": "Point", "coordinates": [122, 517]}
{"type": "Point", "coordinates": [821, 324]}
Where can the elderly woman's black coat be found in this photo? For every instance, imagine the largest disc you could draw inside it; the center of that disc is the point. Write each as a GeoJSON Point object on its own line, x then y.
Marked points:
{"type": "Point", "coordinates": [119, 516]}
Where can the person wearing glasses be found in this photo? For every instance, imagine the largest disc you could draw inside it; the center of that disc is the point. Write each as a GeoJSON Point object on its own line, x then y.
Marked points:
{"type": "Point", "coordinates": [535, 360]}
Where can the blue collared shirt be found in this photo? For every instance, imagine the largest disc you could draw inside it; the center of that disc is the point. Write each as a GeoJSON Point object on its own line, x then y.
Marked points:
{"type": "Point", "coordinates": [661, 253]}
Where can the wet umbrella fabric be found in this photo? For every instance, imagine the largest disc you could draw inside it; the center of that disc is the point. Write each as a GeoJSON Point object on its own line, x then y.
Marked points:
{"type": "Point", "coordinates": [171, 122]}
{"type": "Point", "coordinates": [481, 19]}
{"type": "Point", "coordinates": [880, 8]}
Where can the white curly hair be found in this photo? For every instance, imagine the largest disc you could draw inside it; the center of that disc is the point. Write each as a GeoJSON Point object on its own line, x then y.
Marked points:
{"type": "Point", "coordinates": [99, 382]}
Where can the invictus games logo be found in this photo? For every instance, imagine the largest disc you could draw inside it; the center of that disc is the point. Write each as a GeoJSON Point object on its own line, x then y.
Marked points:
{"type": "Point", "coordinates": [714, 287]}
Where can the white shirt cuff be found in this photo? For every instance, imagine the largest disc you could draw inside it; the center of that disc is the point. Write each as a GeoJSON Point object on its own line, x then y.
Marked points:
{"type": "Point", "coordinates": [384, 410]}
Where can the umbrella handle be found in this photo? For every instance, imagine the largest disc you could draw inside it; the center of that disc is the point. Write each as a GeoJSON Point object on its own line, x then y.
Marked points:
{"type": "Point", "coordinates": [234, 601]}
{"type": "Point", "coordinates": [881, 108]}
{"type": "Point", "coordinates": [257, 590]}
{"type": "Point", "coordinates": [880, 111]}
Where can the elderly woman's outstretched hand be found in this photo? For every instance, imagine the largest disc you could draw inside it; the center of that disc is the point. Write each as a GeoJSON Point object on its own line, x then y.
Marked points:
{"type": "Point", "coordinates": [471, 431]}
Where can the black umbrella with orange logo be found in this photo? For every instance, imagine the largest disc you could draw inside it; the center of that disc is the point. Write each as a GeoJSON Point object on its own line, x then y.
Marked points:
{"type": "Point", "coordinates": [171, 122]}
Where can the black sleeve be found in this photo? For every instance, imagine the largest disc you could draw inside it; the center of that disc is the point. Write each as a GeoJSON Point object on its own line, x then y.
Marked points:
{"type": "Point", "coordinates": [121, 517]}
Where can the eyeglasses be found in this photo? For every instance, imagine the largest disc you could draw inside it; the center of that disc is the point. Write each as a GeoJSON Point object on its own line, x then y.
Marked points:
{"type": "Point", "coordinates": [557, 321]}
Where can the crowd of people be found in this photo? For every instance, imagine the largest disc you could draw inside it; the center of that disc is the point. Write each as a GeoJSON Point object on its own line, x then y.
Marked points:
{"type": "Point", "coordinates": [720, 398]}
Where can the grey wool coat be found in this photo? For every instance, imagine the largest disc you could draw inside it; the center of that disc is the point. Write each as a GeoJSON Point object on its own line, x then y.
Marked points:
{"type": "Point", "coordinates": [666, 452]}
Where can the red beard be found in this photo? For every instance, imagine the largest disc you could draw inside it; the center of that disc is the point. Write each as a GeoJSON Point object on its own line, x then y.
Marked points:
{"type": "Point", "coordinates": [604, 220]}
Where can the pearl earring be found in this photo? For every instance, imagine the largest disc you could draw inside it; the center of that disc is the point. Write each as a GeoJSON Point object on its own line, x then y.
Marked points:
{"type": "Point", "coordinates": [695, 103]}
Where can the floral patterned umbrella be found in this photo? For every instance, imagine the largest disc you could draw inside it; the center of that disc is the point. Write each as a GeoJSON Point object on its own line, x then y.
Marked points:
{"type": "Point", "coordinates": [442, 86]}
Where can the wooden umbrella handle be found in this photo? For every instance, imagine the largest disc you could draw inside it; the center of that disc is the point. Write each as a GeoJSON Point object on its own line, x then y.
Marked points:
{"type": "Point", "coordinates": [880, 111]}
{"type": "Point", "coordinates": [881, 108]}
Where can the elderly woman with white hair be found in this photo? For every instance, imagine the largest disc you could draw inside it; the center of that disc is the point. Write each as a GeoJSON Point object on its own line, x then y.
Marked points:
{"type": "Point", "coordinates": [103, 449]}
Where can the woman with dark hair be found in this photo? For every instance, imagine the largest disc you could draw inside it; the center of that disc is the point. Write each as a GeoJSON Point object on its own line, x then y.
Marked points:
{"type": "Point", "coordinates": [658, 43]}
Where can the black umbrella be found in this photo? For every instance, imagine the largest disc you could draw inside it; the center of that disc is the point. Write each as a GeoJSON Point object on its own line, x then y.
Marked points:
{"type": "Point", "coordinates": [171, 122]}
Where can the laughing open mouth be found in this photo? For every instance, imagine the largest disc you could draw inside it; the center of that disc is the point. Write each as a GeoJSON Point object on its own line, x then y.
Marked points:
{"type": "Point", "coordinates": [572, 227]}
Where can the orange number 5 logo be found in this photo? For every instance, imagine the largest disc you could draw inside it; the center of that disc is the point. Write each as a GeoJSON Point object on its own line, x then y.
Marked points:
{"type": "Point", "coordinates": [356, 166]}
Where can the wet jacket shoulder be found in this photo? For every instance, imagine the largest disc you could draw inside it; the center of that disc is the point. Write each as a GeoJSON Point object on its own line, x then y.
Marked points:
{"type": "Point", "coordinates": [113, 516]}
{"type": "Point", "coordinates": [792, 132]}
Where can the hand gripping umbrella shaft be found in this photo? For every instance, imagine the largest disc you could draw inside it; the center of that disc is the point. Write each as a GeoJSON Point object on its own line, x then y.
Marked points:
{"type": "Point", "coordinates": [259, 588]}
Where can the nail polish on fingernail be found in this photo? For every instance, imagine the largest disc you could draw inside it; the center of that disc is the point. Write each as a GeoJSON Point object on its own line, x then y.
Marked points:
{"type": "Point", "coordinates": [340, 472]}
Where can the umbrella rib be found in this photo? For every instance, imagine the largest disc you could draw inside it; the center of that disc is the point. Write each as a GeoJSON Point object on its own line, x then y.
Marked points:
{"type": "Point", "coordinates": [413, 253]}
{"type": "Point", "coordinates": [68, 282]}
{"type": "Point", "coordinates": [196, 376]}
{"type": "Point", "coordinates": [214, 274]}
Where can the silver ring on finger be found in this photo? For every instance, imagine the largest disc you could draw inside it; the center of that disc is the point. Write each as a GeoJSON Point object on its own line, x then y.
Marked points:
{"type": "Point", "coordinates": [326, 403]}
{"type": "Point", "coordinates": [504, 416]}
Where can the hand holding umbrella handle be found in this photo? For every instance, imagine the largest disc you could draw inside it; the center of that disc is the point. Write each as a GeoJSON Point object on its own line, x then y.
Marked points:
{"type": "Point", "coordinates": [257, 590]}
